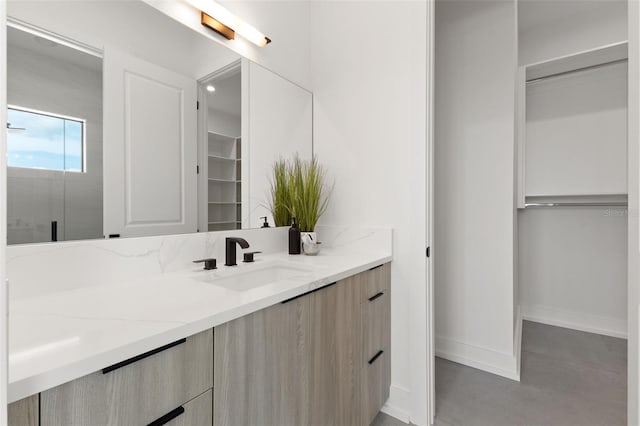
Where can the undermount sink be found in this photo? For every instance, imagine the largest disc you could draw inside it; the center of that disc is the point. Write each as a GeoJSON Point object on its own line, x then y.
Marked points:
{"type": "Point", "coordinates": [250, 278]}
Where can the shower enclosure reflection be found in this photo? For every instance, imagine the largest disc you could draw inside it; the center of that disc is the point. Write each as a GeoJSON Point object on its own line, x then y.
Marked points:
{"type": "Point", "coordinates": [54, 141]}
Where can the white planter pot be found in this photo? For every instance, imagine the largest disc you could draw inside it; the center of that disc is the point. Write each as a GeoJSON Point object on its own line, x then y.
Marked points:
{"type": "Point", "coordinates": [310, 244]}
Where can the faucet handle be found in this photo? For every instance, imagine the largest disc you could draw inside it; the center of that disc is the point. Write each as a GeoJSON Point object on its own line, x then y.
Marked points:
{"type": "Point", "coordinates": [208, 263]}
{"type": "Point", "coordinates": [248, 256]}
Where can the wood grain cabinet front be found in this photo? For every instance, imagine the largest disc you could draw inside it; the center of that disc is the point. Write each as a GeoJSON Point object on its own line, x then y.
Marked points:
{"type": "Point", "coordinates": [261, 374]}
{"type": "Point", "coordinates": [376, 341]}
{"type": "Point", "coordinates": [335, 372]}
{"type": "Point", "coordinates": [306, 361]}
{"type": "Point", "coordinates": [138, 391]}
{"type": "Point", "coordinates": [25, 412]}
{"type": "Point", "coordinates": [197, 412]}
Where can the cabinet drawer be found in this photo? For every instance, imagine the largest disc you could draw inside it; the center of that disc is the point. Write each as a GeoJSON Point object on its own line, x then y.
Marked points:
{"type": "Point", "coordinates": [377, 281]}
{"type": "Point", "coordinates": [197, 412]}
{"type": "Point", "coordinates": [376, 326]}
{"type": "Point", "coordinates": [136, 391]}
{"type": "Point", "coordinates": [375, 384]}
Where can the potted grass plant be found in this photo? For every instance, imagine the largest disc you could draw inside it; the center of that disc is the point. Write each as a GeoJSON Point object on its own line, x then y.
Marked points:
{"type": "Point", "coordinates": [299, 190]}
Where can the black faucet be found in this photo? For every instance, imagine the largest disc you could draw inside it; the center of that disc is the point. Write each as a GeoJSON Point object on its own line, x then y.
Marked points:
{"type": "Point", "coordinates": [230, 251]}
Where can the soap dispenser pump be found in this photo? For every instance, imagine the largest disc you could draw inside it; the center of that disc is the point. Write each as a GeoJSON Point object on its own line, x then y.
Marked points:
{"type": "Point", "coordinates": [294, 238]}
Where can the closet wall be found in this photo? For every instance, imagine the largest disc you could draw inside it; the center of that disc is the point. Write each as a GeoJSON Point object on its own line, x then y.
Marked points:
{"type": "Point", "coordinates": [549, 29]}
{"type": "Point", "coordinates": [573, 260]}
{"type": "Point", "coordinates": [474, 184]}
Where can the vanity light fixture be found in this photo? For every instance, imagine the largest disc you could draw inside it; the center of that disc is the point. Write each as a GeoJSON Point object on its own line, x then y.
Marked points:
{"type": "Point", "coordinates": [217, 26]}
{"type": "Point", "coordinates": [215, 16]}
{"type": "Point", "coordinates": [210, 88]}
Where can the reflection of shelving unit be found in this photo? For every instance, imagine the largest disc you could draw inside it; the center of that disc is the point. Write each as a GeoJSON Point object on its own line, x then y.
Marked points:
{"type": "Point", "coordinates": [224, 186]}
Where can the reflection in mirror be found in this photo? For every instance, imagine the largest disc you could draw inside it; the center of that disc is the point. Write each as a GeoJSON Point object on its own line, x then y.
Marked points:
{"type": "Point", "coordinates": [223, 167]}
{"type": "Point", "coordinates": [113, 133]}
{"type": "Point", "coordinates": [54, 176]}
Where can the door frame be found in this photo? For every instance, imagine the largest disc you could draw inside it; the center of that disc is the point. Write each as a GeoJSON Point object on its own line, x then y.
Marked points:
{"type": "Point", "coordinates": [633, 219]}
{"type": "Point", "coordinates": [203, 141]}
{"type": "Point", "coordinates": [430, 302]}
{"type": "Point", "coordinates": [4, 317]}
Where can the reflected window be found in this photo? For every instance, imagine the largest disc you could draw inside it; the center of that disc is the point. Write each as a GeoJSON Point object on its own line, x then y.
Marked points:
{"type": "Point", "coordinates": [40, 140]}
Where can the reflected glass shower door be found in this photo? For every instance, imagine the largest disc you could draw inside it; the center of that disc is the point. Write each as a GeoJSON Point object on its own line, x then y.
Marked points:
{"type": "Point", "coordinates": [35, 206]}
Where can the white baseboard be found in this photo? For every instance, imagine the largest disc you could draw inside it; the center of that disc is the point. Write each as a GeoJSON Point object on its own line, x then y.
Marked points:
{"type": "Point", "coordinates": [607, 326]}
{"type": "Point", "coordinates": [398, 404]}
{"type": "Point", "coordinates": [500, 363]}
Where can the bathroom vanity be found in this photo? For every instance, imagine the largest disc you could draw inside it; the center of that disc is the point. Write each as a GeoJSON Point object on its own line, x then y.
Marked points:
{"type": "Point", "coordinates": [310, 344]}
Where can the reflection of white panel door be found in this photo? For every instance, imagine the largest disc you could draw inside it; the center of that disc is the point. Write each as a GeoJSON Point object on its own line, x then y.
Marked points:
{"type": "Point", "coordinates": [150, 148]}
{"type": "Point", "coordinates": [279, 125]}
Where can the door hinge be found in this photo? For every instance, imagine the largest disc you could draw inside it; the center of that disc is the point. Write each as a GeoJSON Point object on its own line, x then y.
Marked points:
{"type": "Point", "coordinates": [197, 170]}
{"type": "Point", "coordinates": [428, 251]}
{"type": "Point", "coordinates": [197, 105]}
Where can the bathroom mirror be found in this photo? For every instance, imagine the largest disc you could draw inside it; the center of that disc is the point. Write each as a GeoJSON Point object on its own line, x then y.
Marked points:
{"type": "Point", "coordinates": [125, 122]}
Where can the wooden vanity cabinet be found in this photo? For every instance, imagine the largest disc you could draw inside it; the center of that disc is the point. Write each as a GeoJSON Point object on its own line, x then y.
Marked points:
{"type": "Point", "coordinates": [307, 361]}
{"type": "Point", "coordinates": [137, 391]}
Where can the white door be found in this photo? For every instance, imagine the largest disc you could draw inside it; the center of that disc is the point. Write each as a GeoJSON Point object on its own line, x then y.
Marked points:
{"type": "Point", "coordinates": [150, 148]}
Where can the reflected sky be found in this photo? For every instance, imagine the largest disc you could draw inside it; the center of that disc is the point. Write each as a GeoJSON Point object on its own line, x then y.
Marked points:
{"type": "Point", "coordinates": [47, 143]}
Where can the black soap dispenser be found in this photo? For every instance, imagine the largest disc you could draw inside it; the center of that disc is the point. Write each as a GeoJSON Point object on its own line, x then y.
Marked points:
{"type": "Point", "coordinates": [294, 238]}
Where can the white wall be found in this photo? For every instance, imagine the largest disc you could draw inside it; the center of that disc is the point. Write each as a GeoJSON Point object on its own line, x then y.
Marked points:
{"type": "Point", "coordinates": [573, 268]}
{"type": "Point", "coordinates": [475, 65]}
{"type": "Point", "coordinates": [633, 396]}
{"type": "Point", "coordinates": [370, 123]}
{"type": "Point", "coordinates": [576, 133]}
{"type": "Point", "coordinates": [550, 29]}
{"type": "Point", "coordinates": [35, 197]}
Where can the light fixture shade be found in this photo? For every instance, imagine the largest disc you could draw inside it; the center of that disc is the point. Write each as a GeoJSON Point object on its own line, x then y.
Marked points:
{"type": "Point", "coordinates": [216, 12]}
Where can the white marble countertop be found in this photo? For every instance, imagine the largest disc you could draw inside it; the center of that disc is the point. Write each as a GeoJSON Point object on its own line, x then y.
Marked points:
{"type": "Point", "coordinates": [60, 336]}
